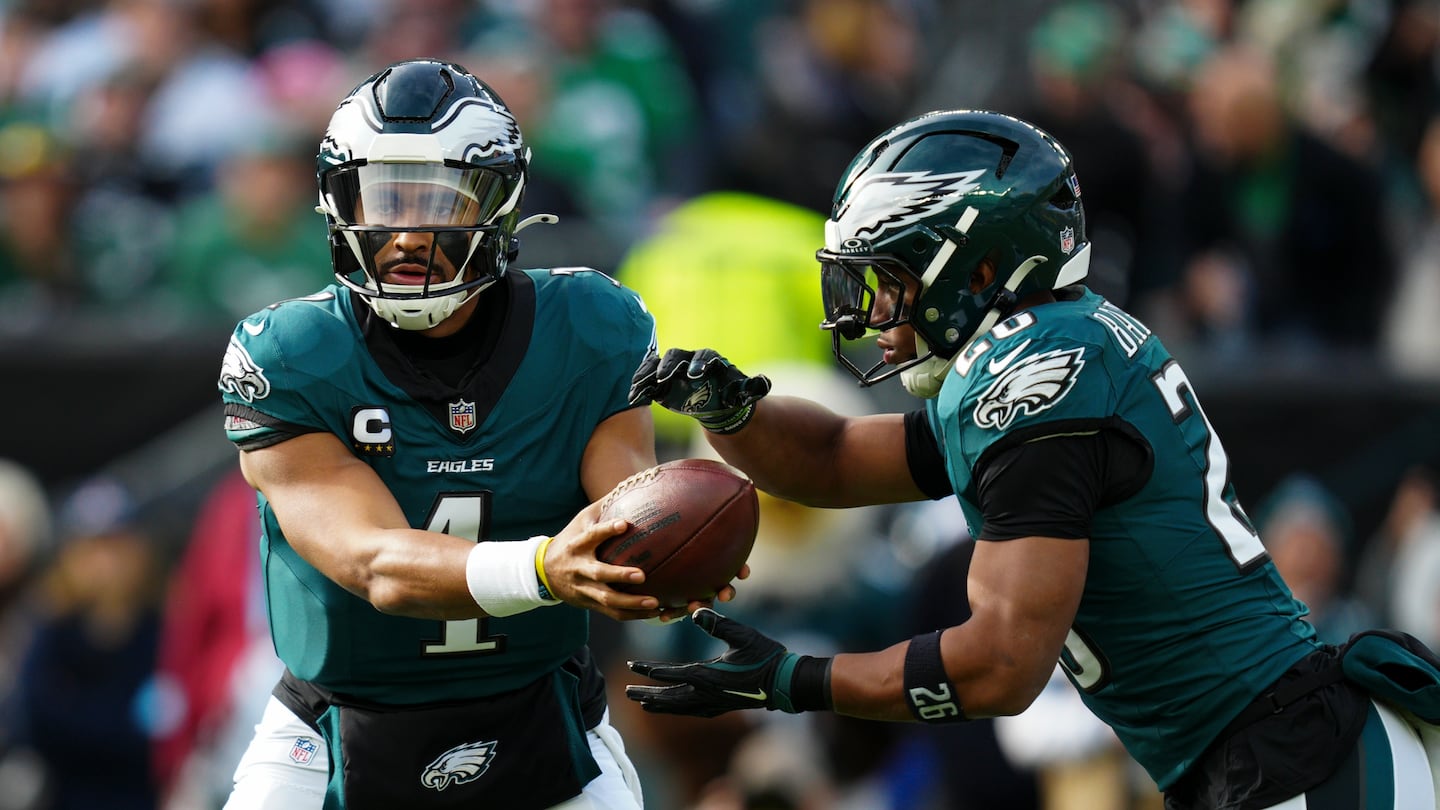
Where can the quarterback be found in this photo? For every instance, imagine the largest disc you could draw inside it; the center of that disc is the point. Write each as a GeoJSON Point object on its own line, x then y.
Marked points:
{"type": "Point", "coordinates": [407, 429]}
{"type": "Point", "coordinates": [1108, 534]}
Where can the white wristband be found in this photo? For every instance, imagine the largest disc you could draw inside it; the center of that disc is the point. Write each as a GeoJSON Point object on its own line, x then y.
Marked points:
{"type": "Point", "coordinates": [502, 579]}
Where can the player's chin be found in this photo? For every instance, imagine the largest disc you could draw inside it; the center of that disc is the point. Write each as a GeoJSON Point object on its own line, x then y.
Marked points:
{"type": "Point", "coordinates": [891, 355]}
{"type": "Point", "coordinates": [896, 357]}
{"type": "Point", "coordinates": [897, 346]}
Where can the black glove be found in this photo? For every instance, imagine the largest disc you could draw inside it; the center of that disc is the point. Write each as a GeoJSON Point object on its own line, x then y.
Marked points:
{"type": "Point", "coordinates": [701, 384]}
{"type": "Point", "coordinates": [756, 672]}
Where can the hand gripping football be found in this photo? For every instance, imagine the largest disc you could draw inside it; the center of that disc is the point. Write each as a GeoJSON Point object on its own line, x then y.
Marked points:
{"type": "Point", "coordinates": [692, 525]}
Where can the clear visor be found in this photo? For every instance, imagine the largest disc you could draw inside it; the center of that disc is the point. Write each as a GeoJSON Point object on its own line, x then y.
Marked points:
{"type": "Point", "coordinates": [416, 195]}
{"type": "Point", "coordinates": [863, 293]}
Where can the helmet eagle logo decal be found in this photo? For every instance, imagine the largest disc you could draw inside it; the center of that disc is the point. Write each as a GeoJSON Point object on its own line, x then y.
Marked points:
{"type": "Point", "coordinates": [884, 201]}
{"type": "Point", "coordinates": [493, 127]}
{"type": "Point", "coordinates": [1028, 386]}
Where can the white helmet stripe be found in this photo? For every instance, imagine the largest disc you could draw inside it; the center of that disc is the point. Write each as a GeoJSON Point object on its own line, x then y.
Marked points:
{"type": "Point", "coordinates": [942, 256]}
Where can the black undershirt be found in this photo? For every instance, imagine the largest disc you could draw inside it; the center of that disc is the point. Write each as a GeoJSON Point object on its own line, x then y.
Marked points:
{"type": "Point", "coordinates": [1040, 485]}
{"type": "Point", "coordinates": [452, 357]}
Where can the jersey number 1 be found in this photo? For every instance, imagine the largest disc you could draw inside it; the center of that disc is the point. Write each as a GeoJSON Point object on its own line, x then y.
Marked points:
{"type": "Point", "coordinates": [463, 514]}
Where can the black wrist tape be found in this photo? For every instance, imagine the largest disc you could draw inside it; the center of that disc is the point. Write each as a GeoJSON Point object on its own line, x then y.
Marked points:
{"type": "Point", "coordinates": [810, 685]}
{"type": "Point", "coordinates": [928, 691]}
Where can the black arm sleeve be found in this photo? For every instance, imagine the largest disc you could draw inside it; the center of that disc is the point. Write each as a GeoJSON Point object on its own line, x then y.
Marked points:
{"type": "Point", "coordinates": [922, 454]}
{"type": "Point", "coordinates": [1051, 486]}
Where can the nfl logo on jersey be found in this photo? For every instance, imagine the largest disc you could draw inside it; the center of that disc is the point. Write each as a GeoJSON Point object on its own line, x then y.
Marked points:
{"type": "Point", "coordinates": [1067, 240]}
{"type": "Point", "coordinates": [462, 416]}
{"type": "Point", "coordinates": [303, 750]}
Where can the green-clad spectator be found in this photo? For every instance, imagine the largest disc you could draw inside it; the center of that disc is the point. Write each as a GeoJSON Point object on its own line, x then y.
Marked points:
{"type": "Point", "coordinates": [39, 273]}
{"type": "Point", "coordinates": [254, 240]}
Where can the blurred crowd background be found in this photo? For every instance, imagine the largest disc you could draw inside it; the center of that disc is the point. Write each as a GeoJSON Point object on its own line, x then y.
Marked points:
{"type": "Point", "coordinates": [1262, 185]}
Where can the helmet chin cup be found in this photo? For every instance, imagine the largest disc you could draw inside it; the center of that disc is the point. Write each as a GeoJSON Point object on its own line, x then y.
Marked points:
{"type": "Point", "coordinates": [923, 377]}
{"type": "Point", "coordinates": [419, 314]}
{"type": "Point", "coordinates": [415, 315]}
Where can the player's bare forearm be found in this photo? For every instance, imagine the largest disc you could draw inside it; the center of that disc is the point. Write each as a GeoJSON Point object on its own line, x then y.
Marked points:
{"type": "Point", "coordinates": [1024, 594]}
{"type": "Point", "coordinates": [871, 685]}
{"type": "Point", "coordinates": [988, 680]}
{"type": "Point", "coordinates": [339, 516]}
{"type": "Point", "coordinates": [799, 450]}
{"type": "Point", "coordinates": [947, 676]}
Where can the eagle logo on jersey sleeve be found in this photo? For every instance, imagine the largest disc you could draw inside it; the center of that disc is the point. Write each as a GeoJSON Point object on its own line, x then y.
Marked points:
{"type": "Point", "coordinates": [241, 375]}
{"type": "Point", "coordinates": [1028, 386]}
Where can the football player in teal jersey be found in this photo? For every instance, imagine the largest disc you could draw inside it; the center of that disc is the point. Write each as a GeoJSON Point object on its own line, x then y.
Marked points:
{"type": "Point", "coordinates": [1108, 534]}
{"type": "Point", "coordinates": [407, 429]}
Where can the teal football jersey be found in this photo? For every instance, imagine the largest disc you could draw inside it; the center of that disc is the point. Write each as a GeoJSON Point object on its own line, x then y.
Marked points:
{"type": "Point", "coordinates": [1184, 619]}
{"type": "Point", "coordinates": [497, 459]}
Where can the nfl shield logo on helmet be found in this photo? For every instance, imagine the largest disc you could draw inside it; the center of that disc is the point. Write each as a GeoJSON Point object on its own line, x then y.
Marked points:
{"type": "Point", "coordinates": [1067, 239]}
{"type": "Point", "coordinates": [303, 750]}
{"type": "Point", "coordinates": [462, 416]}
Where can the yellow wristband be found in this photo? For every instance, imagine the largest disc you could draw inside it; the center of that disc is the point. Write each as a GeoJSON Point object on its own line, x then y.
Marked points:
{"type": "Point", "coordinates": [545, 592]}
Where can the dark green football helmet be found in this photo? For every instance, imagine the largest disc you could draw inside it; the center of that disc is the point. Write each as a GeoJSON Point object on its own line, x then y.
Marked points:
{"type": "Point", "coordinates": [917, 211]}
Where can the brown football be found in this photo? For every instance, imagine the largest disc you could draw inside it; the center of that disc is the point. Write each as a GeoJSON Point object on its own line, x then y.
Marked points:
{"type": "Point", "coordinates": [692, 525]}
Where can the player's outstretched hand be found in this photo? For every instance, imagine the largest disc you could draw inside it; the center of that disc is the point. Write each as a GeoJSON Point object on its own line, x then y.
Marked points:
{"type": "Point", "coordinates": [700, 383]}
{"type": "Point", "coordinates": [755, 673]}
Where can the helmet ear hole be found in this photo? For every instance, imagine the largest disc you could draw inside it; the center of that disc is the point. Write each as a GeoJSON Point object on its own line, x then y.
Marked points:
{"type": "Point", "coordinates": [982, 275]}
